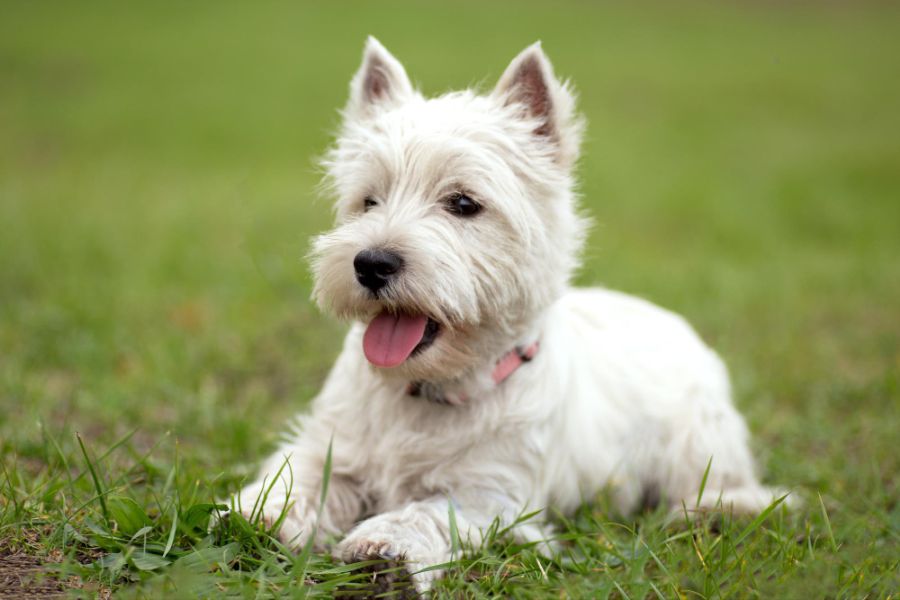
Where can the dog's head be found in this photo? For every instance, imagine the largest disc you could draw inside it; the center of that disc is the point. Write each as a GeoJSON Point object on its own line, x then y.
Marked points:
{"type": "Point", "coordinates": [456, 225]}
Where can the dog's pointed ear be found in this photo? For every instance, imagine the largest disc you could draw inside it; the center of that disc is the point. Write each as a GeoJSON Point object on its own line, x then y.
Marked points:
{"type": "Point", "coordinates": [380, 82]}
{"type": "Point", "coordinates": [529, 84]}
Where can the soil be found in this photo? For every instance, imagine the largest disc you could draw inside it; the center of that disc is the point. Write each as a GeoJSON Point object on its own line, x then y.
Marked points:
{"type": "Point", "coordinates": [24, 576]}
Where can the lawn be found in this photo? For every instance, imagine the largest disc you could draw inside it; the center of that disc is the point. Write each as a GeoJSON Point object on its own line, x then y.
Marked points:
{"type": "Point", "coordinates": [157, 193]}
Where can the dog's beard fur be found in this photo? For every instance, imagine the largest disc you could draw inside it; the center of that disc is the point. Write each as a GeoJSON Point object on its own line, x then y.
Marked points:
{"type": "Point", "coordinates": [484, 279]}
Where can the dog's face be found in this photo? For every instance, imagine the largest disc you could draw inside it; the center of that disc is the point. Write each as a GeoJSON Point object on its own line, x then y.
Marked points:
{"type": "Point", "coordinates": [456, 223]}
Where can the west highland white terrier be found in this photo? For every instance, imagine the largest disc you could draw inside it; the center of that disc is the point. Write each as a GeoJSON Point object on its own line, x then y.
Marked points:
{"type": "Point", "coordinates": [475, 381]}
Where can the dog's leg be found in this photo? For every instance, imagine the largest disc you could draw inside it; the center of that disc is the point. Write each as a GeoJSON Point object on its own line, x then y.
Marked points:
{"type": "Point", "coordinates": [290, 481]}
{"type": "Point", "coordinates": [288, 489]}
{"type": "Point", "coordinates": [711, 440]}
{"type": "Point", "coordinates": [297, 507]}
{"type": "Point", "coordinates": [418, 536]}
{"type": "Point", "coordinates": [748, 500]}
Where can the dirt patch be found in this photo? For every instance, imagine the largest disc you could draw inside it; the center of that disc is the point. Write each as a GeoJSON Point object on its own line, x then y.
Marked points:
{"type": "Point", "coordinates": [24, 576]}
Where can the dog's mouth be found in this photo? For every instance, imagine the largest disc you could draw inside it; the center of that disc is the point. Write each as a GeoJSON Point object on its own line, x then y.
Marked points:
{"type": "Point", "coordinates": [390, 339]}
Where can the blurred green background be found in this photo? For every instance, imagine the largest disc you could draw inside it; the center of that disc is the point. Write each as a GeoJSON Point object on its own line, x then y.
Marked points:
{"type": "Point", "coordinates": [157, 191]}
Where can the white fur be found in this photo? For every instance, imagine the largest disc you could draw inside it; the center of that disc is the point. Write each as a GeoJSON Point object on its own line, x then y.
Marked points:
{"type": "Point", "coordinates": [622, 395]}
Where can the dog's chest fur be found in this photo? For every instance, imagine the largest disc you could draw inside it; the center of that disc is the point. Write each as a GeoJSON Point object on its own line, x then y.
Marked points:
{"type": "Point", "coordinates": [415, 447]}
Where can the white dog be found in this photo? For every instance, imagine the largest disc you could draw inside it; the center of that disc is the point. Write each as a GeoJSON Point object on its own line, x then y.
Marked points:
{"type": "Point", "coordinates": [474, 377]}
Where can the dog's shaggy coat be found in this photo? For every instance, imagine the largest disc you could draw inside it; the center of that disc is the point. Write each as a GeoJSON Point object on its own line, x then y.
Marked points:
{"type": "Point", "coordinates": [473, 197]}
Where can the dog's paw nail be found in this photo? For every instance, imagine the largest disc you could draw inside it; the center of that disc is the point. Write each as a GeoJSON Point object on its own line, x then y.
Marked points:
{"type": "Point", "coordinates": [371, 550]}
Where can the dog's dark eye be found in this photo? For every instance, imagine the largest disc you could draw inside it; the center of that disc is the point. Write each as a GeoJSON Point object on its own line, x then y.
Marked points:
{"type": "Point", "coordinates": [369, 202]}
{"type": "Point", "coordinates": [462, 206]}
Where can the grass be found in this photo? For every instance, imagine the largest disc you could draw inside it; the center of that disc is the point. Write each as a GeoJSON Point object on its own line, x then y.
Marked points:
{"type": "Point", "coordinates": [156, 175]}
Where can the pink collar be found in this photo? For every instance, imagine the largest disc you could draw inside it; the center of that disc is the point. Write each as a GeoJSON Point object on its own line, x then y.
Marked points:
{"type": "Point", "coordinates": [512, 360]}
{"type": "Point", "coordinates": [508, 364]}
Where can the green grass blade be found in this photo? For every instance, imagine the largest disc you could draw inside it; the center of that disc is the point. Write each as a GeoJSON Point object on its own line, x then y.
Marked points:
{"type": "Point", "coordinates": [454, 529]}
{"type": "Point", "coordinates": [302, 564]}
{"type": "Point", "coordinates": [171, 541]}
{"type": "Point", "coordinates": [101, 495]}
{"type": "Point", "coordinates": [703, 482]}
{"type": "Point", "coordinates": [834, 545]}
{"type": "Point", "coordinates": [754, 525]}
{"type": "Point", "coordinates": [326, 476]}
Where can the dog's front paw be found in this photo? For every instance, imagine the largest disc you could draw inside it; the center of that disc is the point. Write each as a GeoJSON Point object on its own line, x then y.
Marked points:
{"type": "Point", "coordinates": [258, 504]}
{"type": "Point", "coordinates": [404, 553]}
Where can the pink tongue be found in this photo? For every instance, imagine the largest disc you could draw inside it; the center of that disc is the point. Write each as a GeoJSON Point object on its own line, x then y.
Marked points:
{"type": "Point", "coordinates": [390, 339]}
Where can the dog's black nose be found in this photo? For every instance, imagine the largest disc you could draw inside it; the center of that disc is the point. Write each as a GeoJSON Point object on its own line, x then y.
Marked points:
{"type": "Point", "coordinates": [374, 268]}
